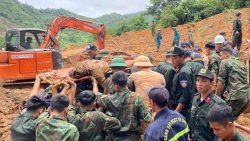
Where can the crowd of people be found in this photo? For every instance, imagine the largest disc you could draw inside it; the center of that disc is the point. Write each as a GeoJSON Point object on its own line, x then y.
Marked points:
{"type": "Point", "coordinates": [193, 95]}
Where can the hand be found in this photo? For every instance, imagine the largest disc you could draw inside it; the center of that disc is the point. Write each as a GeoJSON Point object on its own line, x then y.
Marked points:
{"type": "Point", "coordinates": [71, 83]}
{"type": "Point", "coordinates": [57, 85]}
{"type": "Point", "coordinates": [236, 124]}
{"type": "Point", "coordinates": [65, 85]}
{"type": "Point", "coordinates": [92, 79]}
{"type": "Point", "coordinates": [225, 94]}
{"type": "Point", "coordinates": [237, 32]}
{"type": "Point", "coordinates": [38, 77]}
{"type": "Point", "coordinates": [189, 138]}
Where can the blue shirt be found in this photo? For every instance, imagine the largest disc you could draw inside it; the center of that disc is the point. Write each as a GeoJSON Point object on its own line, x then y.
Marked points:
{"type": "Point", "coordinates": [196, 58]}
{"type": "Point", "coordinates": [158, 37]}
{"type": "Point", "coordinates": [168, 125]}
{"type": "Point", "coordinates": [177, 35]}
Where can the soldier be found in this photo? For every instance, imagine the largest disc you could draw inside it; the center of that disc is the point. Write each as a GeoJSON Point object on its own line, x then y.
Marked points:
{"type": "Point", "coordinates": [221, 119]}
{"type": "Point", "coordinates": [91, 49]}
{"type": "Point", "coordinates": [54, 126]}
{"type": "Point", "coordinates": [235, 53]}
{"type": "Point", "coordinates": [202, 102]}
{"type": "Point", "coordinates": [195, 56]}
{"type": "Point", "coordinates": [203, 56]}
{"type": "Point", "coordinates": [168, 71]}
{"type": "Point", "coordinates": [182, 89]}
{"type": "Point", "coordinates": [224, 35]}
{"type": "Point", "coordinates": [219, 41]}
{"type": "Point", "coordinates": [195, 67]}
{"type": "Point", "coordinates": [117, 64]}
{"type": "Point", "coordinates": [232, 76]}
{"type": "Point", "coordinates": [128, 107]}
{"type": "Point", "coordinates": [213, 62]}
{"type": "Point", "coordinates": [102, 53]}
{"type": "Point", "coordinates": [158, 38]}
{"type": "Point", "coordinates": [190, 37]}
{"type": "Point", "coordinates": [160, 129]}
{"type": "Point", "coordinates": [153, 28]}
{"type": "Point", "coordinates": [237, 31]}
{"type": "Point", "coordinates": [176, 37]}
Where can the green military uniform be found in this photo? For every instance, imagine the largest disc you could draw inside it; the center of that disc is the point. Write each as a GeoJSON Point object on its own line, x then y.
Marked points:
{"type": "Point", "coordinates": [168, 71]}
{"type": "Point", "coordinates": [213, 63]}
{"type": "Point", "coordinates": [23, 127]}
{"type": "Point", "coordinates": [238, 137]}
{"type": "Point", "coordinates": [153, 29]}
{"type": "Point", "coordinates": [237, 38]}
{"type": "Point", "coordinates": [129, 108]}
{"type": "Point", "coordinates": [199, 126]}
{"type": "Point", "coordinates": [195, 68]}
{"type": "Point", "coordinates": [232, 74]}
{"type": "Point", "coordinates": [102, 53]}
{"type": "Point", "coordinates": [92, 125]}
{"type": "Point", "coordinates": [190, 37]}
{"type": "Point", "coordinates": [55, 128]}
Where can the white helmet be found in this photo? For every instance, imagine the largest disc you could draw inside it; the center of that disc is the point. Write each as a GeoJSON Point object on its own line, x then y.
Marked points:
{"type": "Point", "coordinates": [219, 39]}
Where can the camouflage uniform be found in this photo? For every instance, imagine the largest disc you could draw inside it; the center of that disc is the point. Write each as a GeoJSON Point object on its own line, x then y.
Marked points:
{"type": "Point", "coordinates": [55, 128]}
{"type": "Point", "coordinates": [130, 109]}
{"type": "Point", "coordinates": [200, 129]}
{"type": "Point", "coordinates": [213, 63]}
{"type": "Point", "coordinates": [190, 37]}
{"type": "Point", "coordinates": [237, 137]}
{"type": "Point", "coordinates": [233, 74]}
{"type": "Point", "coordinates": [92, 124]}
{"type": "Point", "coordinates": [109, 89]}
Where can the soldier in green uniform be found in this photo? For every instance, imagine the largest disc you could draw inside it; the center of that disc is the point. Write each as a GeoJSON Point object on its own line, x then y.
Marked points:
{"type": "Point", "coordinates": [117, 64]}
{"type": "Point", "coordinates": [102, 53]}
{"type": "Point", "coordinates": [168, 71]}
{"type": "Point", "coordinates": [221, 120]}
{"type": "Point", "coordinates": [202, 102]}
{"type": "Point", "coordinates": [153, 28]}
{"type": "Point", "coordinates": [182, 89]}
{"type": "Point", "coordinates": [195, 67]}
{"type": "Point", "coordinates": [237, 31]}
{"type": "Point", "coordinates": [232, 76]}
{"type": "Point", "coordinates": [190, 37]}
{"type": "Point", "coordinates": [213, 62]}
{"type": "Point", "coordinates": [128, 107]}
{"type": "Point", "coordinates": [54, 126]}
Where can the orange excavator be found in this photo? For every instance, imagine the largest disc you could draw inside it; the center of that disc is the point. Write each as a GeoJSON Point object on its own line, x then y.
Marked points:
{"type": "Point", "coordinates": [29, 51]}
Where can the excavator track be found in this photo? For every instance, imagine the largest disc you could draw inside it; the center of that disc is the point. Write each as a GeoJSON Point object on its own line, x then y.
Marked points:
{"type": "Point", "coordinates": [20, 83]}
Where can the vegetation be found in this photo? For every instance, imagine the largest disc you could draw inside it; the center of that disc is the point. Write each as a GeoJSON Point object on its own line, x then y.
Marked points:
{"type": "Point", "coordinates": [173, 12]}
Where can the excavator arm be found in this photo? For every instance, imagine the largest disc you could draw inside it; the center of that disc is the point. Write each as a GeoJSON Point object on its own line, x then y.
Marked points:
{"type": "Point", "coordinates": [63, 22]}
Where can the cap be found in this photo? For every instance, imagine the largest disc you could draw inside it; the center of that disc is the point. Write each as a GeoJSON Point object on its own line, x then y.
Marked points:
{"type": "Point", "coordinates": [237, 14]}
{"type": "Point", "coordinates": [143, 61]}
{"type": "Point", "coordinates": [149, 57]}
{"type": "Point", "coordinates": [90, 48]}
{"type": "Point", "coordinates": [102, 53]}
{"type": "Point", "coordinates": [118, 62]}
{"type": "Point", "coordinates": [210, 44]}
{"type": "Point", "coordinates": [158, 93]}
{"type": "Point", "coordinates": [219, 39]}
{"type": "Point", "coordinates": [185, 44]}
{"type": "Point", "coordinates": [206, 73]}
{"type": "Point", "coordinates": [222, 33]}
{"type": "Point", "coordinates": [176, 51]}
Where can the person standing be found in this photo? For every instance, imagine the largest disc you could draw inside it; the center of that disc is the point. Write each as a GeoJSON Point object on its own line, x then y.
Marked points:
{"type": "Point", "coordinates": [221, 120]}
{"type": "Point", "coordinates": [219, 41]}
{"type": "Point", "coordinates": [158, 38]}
{"type": "Point", "coordinates": [153, 28]}
{"type": "Point", "coordinates": [194, 56]}
{"type": "Point", "coordinates": [232, 77]}
{"type": "Point", "coordinates": [182, 89]}
{"type": "Point", "coordinates": [237, 31]}
{"type": "Point", "coordinates": [190, 37]}
{"type": "Point", "coordinates": [203, 56]}
{"type": "Point", "coordinates": [168, 125]}
{"type": "Point", "coordinates": [91, 49]}
{"type": "Point", "coordinates": [203, 102]}
{"type": "Point", "coordinates": [235, 53]}
{"type": "Point", "coordinates": [176, 37]}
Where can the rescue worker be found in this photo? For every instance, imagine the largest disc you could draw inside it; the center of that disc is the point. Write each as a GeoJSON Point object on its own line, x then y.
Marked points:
{"type": "Point", "coordinates": [117, 64]}
{"type": "Point", "coordinates": [158, 38]}
{"type": "Point", "coordinates": [176, 37]}
{"type": "Point", "coordinates": [128, 107]}
{"type": "Point", "coordinates": [101, 54]}
{"type": "Point", "coordinates": [153, 68]}
{"type": "Point", "coordinates": [195, 56]}
{"type": "Point", "coordinates": [195, 67]}
{"type": "Point", "coordinates": [224, 35]}
{"type": "Point", "coordinates": [168, 71]}
{"type": "Point", "coordinates": [232, 76]}
{"type": "Point", "coordinates": [182, 89]}
{"type": "Point", "coordinates": [213, 62]}
{"type": "Point", "coordinates": [55, 126]}
{"type": "Point", "coordinates": [190, 37]}
{"type": "Point", "coordinates": [221, 120]}
{"type": "Point", "coordinates": [237, 31]}
{"type": "Point", "coordinates": [160, 129]}
{"type": "Point", "coordinates": [153, 28]}
{"type": "Point", "coordinates": [219, 43]}
{"type": "Point", "coordinates": [202, 103]}
{"type": "Point", "coordinates": [235, 53]}
{"type": "Point", "coordinates": [91, 49]}
{"type": "Point", "coordinates": [203, 56]}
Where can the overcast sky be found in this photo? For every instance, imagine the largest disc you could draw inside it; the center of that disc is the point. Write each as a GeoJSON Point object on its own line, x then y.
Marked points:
{"type": "Point", "coordinates": [92, 8]}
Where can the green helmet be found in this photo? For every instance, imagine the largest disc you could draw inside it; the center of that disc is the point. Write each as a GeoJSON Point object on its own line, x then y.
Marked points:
{"type": "Point", "coordinates": [102, 53]}
{"type": "Point", "coordinates": [118, 62]}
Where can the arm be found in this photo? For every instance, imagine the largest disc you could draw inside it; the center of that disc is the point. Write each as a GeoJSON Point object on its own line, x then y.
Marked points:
{"type": "Point", "coordinates": [222, 76]}
{"type": "Point", "coordinates": [95, 86]}
{"type": "Point", "coordinates": [144, 113]}
{"type": "Point", "coordinates": [66, 87]}
{"type": "Point", "coordinates": [109, 122]}
{"type": "Point", "coordinates": [235, 25]}
{"type": "Point", "coordinates": [220, 88]}
{"type": "Point", "coordinates": [244, 128]}
{"type": "Point", "coordinates": [71, 92]}
{"type": "Point", "coordinates": [36, 86]}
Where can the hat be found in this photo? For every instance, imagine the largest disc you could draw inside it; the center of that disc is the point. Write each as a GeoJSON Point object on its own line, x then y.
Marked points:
{"type": "Point", "coordinates": [168, 52]}
{"type": "Point", "coordinates": [102, 53]}
{"type": "Point", "coordinates": [143, 61]}
{"type": "Point", "coordinates": [118, 62]}
{"type": "Point", "coordinates": [158, 93]}
{"type": "Point", "coordinates": [177, 51]}
{"type": "Point", "coordinates": [222, 33]}
{"type": "Point", "coordinates": [219, 39]}
{"type": "Point", "coordinates": [206, 73]}
{"type": "Point", "coordinates": [185, 44]}
{"type": "Point", "coordinates": [210, 44]}
{"type": "Point", "coordinates": [237, 14]}
{"type": "Point", "coordinates": [149, 57]}
{"type": "Point", "coordinates": [90, 48]}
